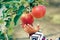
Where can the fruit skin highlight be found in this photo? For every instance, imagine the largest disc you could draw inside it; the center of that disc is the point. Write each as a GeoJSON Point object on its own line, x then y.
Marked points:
{"type": "Point", "coordinates": [27, 18]}
{"type": "Point", "coordinates": [38, 11]}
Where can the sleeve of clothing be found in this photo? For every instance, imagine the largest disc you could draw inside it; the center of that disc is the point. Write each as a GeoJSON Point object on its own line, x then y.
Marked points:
{"type": "Point", "coordinates": [31, 34]}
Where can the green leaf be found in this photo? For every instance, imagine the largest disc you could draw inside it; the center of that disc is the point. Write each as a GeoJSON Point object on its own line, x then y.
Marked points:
{"type": "Point", "coordinates": [3, 12]}
{"type": "Point", "coordinates": [10, 0]}
{"type": "Point", "coordinates": [19, 13]}
{"type": "Point", "coordinates": [10, 37]}
{"type": "Point", "coordinates": [2, 36]}
{"type": "Point", "coordinates": [0, 33]}
{"type": "Point", "coordinates": [1, 0]}
{"type": "Point", "coordinates": [30, 1]}
{"type": "Point", "coordinates": [14, 8]}
{"type": "Point", "coordinates": [8, 22]}
{"type": "Point", "coordinates": [7, 5]}
{"type": "Point", "coordinates": [0, 5]}
{"type": "Point", "coordinates": [6, 0]}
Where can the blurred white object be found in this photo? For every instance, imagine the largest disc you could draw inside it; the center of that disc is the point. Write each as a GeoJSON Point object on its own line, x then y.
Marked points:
{"type": "Point", "coordinates": [57, 38]}
{"type": "Point", "coordinates": [37, 36]}
{"type": "Point", "coordinates": [41, 35]}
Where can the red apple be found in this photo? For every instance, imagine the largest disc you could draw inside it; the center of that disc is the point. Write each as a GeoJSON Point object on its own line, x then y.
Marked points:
{"type": "Point", "coordinates": [38, 11]}
{"type": "Point", "coordinates": [27, 19]}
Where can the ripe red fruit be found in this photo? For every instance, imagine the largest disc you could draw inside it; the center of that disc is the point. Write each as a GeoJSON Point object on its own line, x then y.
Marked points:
{"type": "Point", "coordinates": [39, 11]}
{"type": "Point", "coordinates": [27, 19]}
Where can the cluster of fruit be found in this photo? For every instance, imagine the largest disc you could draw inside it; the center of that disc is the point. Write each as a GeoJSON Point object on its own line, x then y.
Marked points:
{"type": "Point", "coordinates": [37, 12]}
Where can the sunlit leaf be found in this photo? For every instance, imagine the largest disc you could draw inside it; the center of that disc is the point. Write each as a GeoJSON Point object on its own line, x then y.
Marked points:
{"type": "Point", "coordinates": [30, 1]}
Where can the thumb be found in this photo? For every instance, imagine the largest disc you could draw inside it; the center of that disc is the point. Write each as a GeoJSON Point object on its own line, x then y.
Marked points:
{"type": "Point", "coordinates": [37, 28]}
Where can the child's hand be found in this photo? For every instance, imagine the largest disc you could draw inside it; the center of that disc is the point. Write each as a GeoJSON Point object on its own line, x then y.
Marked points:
{"type": "Point", "coordinates": [30, 29]}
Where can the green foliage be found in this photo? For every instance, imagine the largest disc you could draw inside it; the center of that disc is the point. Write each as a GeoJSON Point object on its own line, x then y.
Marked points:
{"type": "Point", "coordinates": [7, 5]}
{"type": "Point", "coordinates": [0, 5]}
{"type": "Point", "coordinates": [19, 13]}
{"type": "Point", "coordinates": [8, 22]}
{"type": "Point", "coordinates": [0, 33]}
{"type": "Point", "coordinates": [30, 1]}
{"type": "Point", "coordinates": [2, 37]}
{"type": "Point", "coordinates": [1, 20]}
{"type": "Point", "coordinates": [7, 0]}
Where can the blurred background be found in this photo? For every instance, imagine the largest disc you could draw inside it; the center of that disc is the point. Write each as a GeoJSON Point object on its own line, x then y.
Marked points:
{"type": "Point", "coordinates": [49, 24]}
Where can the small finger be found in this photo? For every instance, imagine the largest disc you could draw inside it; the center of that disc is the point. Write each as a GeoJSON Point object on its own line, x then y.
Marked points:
{"type": "Point", "coordinates": [24, 25]}
{"type": "Point", "coordinates": [30, 26]}
{"type": "Point", "coordinates": [38, 25]}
